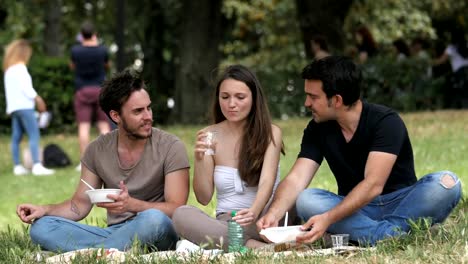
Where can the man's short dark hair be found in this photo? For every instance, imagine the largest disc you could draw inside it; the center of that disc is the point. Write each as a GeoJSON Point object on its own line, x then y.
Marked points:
{"type": "Point", "coordinates": [339, 76]}
{"type": "Point", "coordinates": [87, 30]}
{"type": "Point", "coordinates": [116, 91]}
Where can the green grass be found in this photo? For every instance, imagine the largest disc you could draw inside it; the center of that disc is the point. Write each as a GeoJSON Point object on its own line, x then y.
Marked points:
{"type": "Point", "coordinates": [440, 141]}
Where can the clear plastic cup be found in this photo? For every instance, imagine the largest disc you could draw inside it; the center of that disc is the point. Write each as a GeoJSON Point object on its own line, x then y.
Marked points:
{"type": "Point", "coordinates": [210, 141]}
{"type": "Point", "coordinates": [340, 240]}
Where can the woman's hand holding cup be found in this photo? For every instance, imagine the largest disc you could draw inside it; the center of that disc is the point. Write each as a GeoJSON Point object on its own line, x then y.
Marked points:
{"type": "Point", "coordinates": [205, 144]}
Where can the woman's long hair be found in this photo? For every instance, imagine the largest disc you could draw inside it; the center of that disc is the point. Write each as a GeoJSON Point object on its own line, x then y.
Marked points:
{"type": "Point", "coordinates": [257, 133]}
{"type": "Point", "coordinates": [17, 51]}
{"type": "Point", "coordinates": [368, 42]}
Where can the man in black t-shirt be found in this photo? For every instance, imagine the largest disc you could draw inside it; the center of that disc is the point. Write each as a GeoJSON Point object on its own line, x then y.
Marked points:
{"type": "Point", "coordinates": [368, 149]}
{"type": "Point", "coordinates": [89, 61]}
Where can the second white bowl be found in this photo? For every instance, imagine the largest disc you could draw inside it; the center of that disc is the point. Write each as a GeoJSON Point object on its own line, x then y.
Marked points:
{"type": "Point", "coordinates": [282, 234]}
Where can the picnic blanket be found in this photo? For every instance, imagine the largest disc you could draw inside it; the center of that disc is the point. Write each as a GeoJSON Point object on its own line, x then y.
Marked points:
{"type": "Point", "coordinates": [271, 250]}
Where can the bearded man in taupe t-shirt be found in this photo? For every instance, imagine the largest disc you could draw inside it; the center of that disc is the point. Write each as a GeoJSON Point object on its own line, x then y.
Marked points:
{"type": "Point", "coordinates": [150, 167]}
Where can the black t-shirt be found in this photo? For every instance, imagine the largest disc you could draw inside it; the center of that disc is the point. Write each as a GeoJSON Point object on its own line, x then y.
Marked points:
{"type": "Point", "coordinates": [89, 65]}
{"type": "Point", "coordinates": [380, 129]}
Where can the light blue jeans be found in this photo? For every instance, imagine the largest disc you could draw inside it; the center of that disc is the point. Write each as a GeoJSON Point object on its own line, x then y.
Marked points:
{"type": "Point", "coordinates": [151, 227]}
{"type": "Point", "coordinates": [24, 122]}
{"type": "Point", "coordinates": [387, 215]}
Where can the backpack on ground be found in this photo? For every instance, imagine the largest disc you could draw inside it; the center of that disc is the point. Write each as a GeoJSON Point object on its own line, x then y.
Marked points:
{"type": "Point", "coordinates": [54, 156]}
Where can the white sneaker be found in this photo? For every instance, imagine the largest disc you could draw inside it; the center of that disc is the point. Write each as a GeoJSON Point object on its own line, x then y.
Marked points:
{"type": "Point", "coordinates": [40, 170]}
{"type": "Point", "coordinates": [78, 168]}
{"type": "Point", "coordinates": [20, 170]}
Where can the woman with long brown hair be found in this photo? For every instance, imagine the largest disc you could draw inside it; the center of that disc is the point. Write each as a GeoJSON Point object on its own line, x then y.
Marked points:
{"type": "Point", "coordinates": [21, 100]}
{"type": "Point", "coordinates": [244, 170]}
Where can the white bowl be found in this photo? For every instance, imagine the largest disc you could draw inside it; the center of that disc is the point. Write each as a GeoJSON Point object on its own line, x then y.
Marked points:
{"type": "Point", "coordinates": [282, 234]}
{"type": "Point", "coordinates": [100, 195]}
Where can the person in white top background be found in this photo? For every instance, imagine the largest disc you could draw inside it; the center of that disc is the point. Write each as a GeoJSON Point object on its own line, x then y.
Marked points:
{"type": "Point", "coordinates": [244, 169]}
{"type": "Point", "coordinates": [457, 53]}
{"type": "Point", "coordinates": [21, 99]}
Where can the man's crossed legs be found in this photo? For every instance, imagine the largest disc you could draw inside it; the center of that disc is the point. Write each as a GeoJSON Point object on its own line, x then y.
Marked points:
{"type": "Point", "coordinates": [433, 196]}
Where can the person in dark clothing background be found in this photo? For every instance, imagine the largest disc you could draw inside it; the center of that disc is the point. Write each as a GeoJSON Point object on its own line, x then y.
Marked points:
{"type": "Point", "coordinates": [89, 61]}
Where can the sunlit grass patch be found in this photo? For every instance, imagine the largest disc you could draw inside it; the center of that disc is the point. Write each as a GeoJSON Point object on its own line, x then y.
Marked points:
{"type": "Point", "coordinates": [439, 139]}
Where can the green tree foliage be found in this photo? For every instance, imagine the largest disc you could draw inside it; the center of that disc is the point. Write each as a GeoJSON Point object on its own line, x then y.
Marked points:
{"type": "Point", "coordinates": [442, 9]}
{"type": "Point", "coordinates": [267, 39]}
{"type": "Point", "coordinates": [323, 18]}
{"type": "Point", "coordinates": [392, 19]}
{"type": "Point", "coordinates": [21, 21]}
{"type": "Point", "coordinates": [404, 85]}
{"type": "Point", "coordinates": [26, 19]}
{"type": "Point", "coordinates": [53, 80]}
{"type": "Point", "coordinates": [389, 20]}
{"type": "Point", "coordinates": [264, 35]}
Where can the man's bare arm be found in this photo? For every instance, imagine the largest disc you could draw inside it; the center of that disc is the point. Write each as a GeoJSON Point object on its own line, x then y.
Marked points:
{"type": "Point", "coordinates": [300, 176]}
{"type": "Point", "coordinates": [74, 209]}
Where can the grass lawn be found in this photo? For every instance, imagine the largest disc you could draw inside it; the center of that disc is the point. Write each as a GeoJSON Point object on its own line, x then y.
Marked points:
{"type": "Point", "coordinates": [439, 139]}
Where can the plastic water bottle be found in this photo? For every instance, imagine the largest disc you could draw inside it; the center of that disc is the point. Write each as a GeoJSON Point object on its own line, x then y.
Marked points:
{"type": "Point", "coordinates": [235, 235]}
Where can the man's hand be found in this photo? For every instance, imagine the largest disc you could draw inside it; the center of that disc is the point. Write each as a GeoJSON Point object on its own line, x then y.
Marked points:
{"type": "Point", "coordinates": [268, 220]}
{"type": "Point", "coordinates": [318, 224]}
{"type": "Point", "coordinates": [121, 202]}
{"type": "Point", "coordinates": [29, 212]}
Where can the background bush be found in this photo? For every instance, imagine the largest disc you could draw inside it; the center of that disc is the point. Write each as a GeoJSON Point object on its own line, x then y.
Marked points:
{"type": "Point", "coordinates": [404, 85]}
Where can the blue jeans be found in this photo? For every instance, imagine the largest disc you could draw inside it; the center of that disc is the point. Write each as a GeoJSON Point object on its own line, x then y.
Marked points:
{"type": "Point", "coordinates": [387, 215]}
{"type": "Point", "coordinates": [151, 227]}
{"type": "Point", "coordinates": [24, 121]}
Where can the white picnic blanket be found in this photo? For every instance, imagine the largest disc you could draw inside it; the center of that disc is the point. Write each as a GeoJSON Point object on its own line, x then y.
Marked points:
{"type": "Point", "coordinates": [188, 252]}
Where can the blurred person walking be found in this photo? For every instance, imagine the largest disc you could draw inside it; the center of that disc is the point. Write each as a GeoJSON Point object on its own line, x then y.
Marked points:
{"type": "Point", "coordinates": [457, 53]}
{"type": "Point", "coordinates": [319, 47]}
{"type": "Point", "coordinates": [365, 43]}
{"type": "Point", "coordinates": [401, 49]}
{"type": "Point", "coordinates": [21, 99]}
{"type": "Point", "coordinates": [418, 49]}
{"type": "Point", "coordinates": [89, 61]}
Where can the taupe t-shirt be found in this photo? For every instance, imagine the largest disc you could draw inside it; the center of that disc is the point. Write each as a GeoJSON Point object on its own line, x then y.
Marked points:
{"type": "Point", "coordinates": [163, 154]}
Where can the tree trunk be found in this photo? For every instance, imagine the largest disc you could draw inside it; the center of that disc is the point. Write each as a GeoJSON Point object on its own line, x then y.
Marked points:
{"type": "Point", "coordinates": [52, 36]}
{"type": "Point", "coordinates": [199, 57]}
{"type": "Point", "coordinates": [323, 17]}
{"type": "Point", "coordinates": [119, 34]}
{"type": "Point", "coordinates": [3, 15]}
{"type": "Point", "coordinates": [157, 73]}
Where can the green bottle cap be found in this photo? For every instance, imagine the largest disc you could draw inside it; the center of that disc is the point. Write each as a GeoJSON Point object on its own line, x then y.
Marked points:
{"type": "Point", "coordinates": [233, 213]}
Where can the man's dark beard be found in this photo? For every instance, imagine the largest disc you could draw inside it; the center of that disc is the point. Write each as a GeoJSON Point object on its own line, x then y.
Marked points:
{"type": "Point", "coordinates": [132, 135]}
